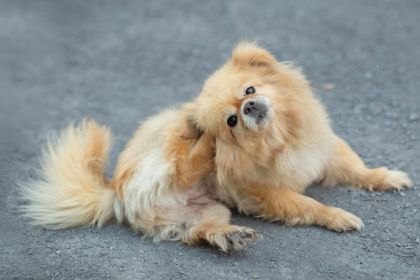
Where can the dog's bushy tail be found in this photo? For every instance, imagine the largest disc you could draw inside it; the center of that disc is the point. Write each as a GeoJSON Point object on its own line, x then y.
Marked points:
{"type": "Point", "coordinates": [72, 189]}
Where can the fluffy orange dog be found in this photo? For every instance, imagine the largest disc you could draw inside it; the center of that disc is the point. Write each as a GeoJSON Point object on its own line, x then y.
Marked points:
{"type": "Point", "coordinates": [254, 139]}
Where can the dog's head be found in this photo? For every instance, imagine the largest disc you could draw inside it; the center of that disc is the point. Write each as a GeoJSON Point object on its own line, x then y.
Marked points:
{"type": "Point", "coordinates": [253, 106]}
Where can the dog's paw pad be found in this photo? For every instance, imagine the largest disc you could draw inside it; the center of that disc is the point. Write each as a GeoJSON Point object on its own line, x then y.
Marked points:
{"type": "Point", "coordinates": [238, 239]}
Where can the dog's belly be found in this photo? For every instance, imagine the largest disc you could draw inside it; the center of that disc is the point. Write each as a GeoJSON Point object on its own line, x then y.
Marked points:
{"type": "Point", "coordinates": [196, 201]}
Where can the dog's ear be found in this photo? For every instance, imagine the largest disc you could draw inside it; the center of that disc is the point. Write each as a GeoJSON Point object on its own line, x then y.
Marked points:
{"type": "Point", "coordinates": [190, 127]}
{"type": "Point", "coordinates": [249, 54]}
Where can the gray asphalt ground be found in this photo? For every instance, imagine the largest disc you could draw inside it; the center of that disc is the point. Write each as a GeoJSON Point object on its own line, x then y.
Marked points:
{"type": "Point", "coordinates": [121, 61]}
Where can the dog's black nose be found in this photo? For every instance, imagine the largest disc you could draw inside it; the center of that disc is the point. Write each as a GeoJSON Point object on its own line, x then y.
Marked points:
{"type": "Point", "coordinates": [255, 109]}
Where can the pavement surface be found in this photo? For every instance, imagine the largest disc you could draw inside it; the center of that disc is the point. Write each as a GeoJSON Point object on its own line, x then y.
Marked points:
{"type": "Point", "coordinates": [121, 61]}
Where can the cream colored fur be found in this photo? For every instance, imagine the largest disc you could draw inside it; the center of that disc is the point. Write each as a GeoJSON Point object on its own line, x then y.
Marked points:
{"type": "Point", "coordinates": [71, 190]}
{"type": "Point", "coordinates": [185, 166]}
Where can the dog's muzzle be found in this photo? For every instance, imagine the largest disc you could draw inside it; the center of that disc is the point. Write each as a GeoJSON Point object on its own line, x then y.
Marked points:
{"type": "Point", "coordinates": [257, 112]}
{"type": "Point", "coordinates": [255, 109]}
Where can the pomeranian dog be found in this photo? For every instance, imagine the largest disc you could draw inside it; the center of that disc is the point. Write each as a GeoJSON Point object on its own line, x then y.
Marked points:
{"type": "Point", "coordinates": [253, 140]}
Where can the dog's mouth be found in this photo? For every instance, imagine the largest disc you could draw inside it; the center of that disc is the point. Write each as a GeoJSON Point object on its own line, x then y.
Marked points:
{"type": "Point", "coordinates": [256, 112]}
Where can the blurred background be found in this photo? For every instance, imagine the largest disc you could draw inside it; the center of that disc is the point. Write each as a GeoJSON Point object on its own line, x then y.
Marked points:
{"type": "Point", "coordinates": [121, 61]}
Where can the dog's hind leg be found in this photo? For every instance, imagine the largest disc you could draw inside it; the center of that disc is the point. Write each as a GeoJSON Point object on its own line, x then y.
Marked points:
{"type": "Point", "coordinates": [347, 168]}
{"type": "Point", "coordinates": [211, 224]}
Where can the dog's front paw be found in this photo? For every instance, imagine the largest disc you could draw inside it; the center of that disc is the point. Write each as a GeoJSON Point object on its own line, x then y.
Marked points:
{"type": "Point", "coordinates": [383, 179]}
{"type": "Point", "coordinates": [396, 180]}
{"type": "Point", "coordinates": [340, 220]}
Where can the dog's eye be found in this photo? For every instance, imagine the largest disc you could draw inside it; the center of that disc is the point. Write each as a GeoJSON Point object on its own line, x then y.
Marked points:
{"type": "Point", "coordinates": [250, 90]}
{"type": "Point", "coordinates": [232, 120]}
